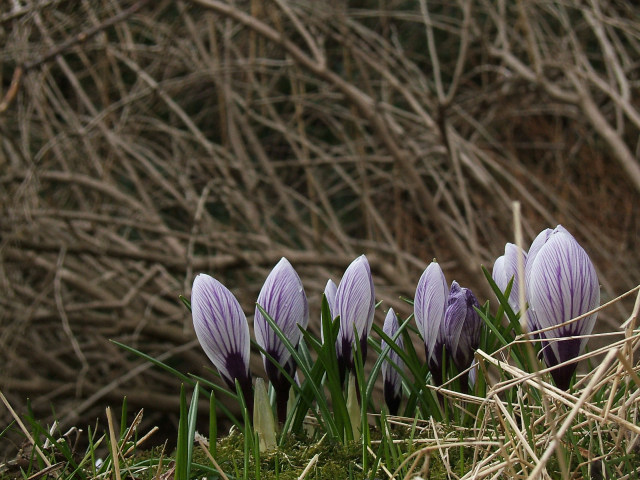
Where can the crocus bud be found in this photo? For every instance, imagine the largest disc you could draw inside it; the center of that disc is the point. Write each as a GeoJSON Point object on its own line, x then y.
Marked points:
{"type": "Point", "coordinates": [536, 245]}
{"type": "Point", "coordinates": [282, 297]}
{"type": "Point", "coordinates": [429, 306]}
{"type": "Point", "coordinates": [263, 422]}
{"type": "Point", "coordinates": [222, 330]}
{"type": "Point", "coordinates": [355, 304]}
{"type": "Point", "coordinates": [562, 285]}
{"type": "Point", "coordinates": [504, 269]}
{"type": "Point", "coordinates": [330, 293]}
{"type": "Point", "coordinates": [391, 379]}
{"type": "Point", "coordinates": [462, 326]}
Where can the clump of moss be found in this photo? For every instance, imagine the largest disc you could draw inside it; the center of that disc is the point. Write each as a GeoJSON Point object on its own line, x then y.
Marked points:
{"type": "Point", "coordinates": [290, 459]}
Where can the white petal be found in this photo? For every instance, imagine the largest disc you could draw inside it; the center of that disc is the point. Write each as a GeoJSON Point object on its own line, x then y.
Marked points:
{"type": "Point", "coordinates": [429, 305]}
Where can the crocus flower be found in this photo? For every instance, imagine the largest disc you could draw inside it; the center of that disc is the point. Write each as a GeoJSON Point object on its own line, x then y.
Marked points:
{"type": "Point", "coordinates": [330, 293]}
{"type": "Point", "coordinates": [562, 285]}
{"type": "Point", "coordinates": [461, 327]}
{"type": "Point", "coordinates": [536, 245]}
{"type": "Point", "coordinates": [429, 306]}
{"type": "Point", "coordinates": [391, 380]}
{"type": "Point", "coordinates": [504, 269]}
{"type": "Point", "coordinates": [355, 304]}
{"type": "Point", "coordinates": [222, 330]}
{"type": "Point", "coordinates": [282, 297]}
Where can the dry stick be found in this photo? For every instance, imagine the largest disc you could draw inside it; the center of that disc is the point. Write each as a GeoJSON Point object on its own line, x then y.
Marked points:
{"type": "Point", "coordinates": [24, 429]}
{"type": "Point", "coordinates": [516, 430]}
{"type": "Point", "coordinates": [439, 447]}
{"type": "Point", "coordinates": [213, 460]}
{"type": "Point", "coordinates": [141, 441]}
{"type": "Point", "coordinates": [114, 444]}
{"type": "Point", "coordinates": [528, 376]}
{"type": "Point", "coordinates": [555, 441]}
{"type": "Point", "coordinates": [57, 50]}
{"type": "Point", "coordinates": [445, 129]}
{"type": "Point", "coordinates": [383, 467]}
{"type": "Point", "coordinates": [66, 326]}
{"type": "Point", "coordinates": [309, 466]}
{"type": "Point", "coordinates": [188, 278]}
{"type": "Point", "coordinates": [254, 143]}
{"type": "Point", "coordinates": [570, 400]}
{"type": "Point", "coordinates": [145, 365]}
{"type": "Point", "coordinates": [582, 98]}
{"type": "Point", "coordinates": [367, 107]}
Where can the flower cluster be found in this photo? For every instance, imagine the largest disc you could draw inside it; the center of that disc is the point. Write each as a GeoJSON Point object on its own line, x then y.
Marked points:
{"type": "Point", "coordinates": [448, 322]}
{"type": "Point", "coordinates": [222, 329]}
{"type": "Point", "coordinates": [558, 280]}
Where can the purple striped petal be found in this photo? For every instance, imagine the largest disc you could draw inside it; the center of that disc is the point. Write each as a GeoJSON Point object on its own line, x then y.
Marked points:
{"type": "Point", "coordinates": [392, 382]}
{"type": "Point", "coordinates": [222, 329]}
{"type": "Point", "coordinates": [429, 306]}
{"type": "Point", "coordinates": [505, 268]}
{"type": "Point", "coordinates": [462, 326]}
{"type": "Point", "coordinates": [563, 284]}
{"type": "Point", "coordinates": [355, 304]}
{"type": "Point", "coordinates": [536, 245]}
{"type": "Point", "coordinates": [282, 297]}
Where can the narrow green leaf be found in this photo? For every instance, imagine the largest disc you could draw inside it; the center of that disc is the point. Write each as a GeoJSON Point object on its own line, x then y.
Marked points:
{"type": "Point", "coordinates": [182, 449]}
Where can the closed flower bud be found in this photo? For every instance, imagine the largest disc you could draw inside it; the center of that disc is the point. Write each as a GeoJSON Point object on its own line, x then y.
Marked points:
{"type": "Point", "coordinates": [282, 297]}
{"type": "Point", "coordinates": [330, 291]}
{"type": "Point", "coordinates": [391, 379]}
{"type": "Point", "coordinates": [355, 304]}
{"type": "Point", "coordinates": [462, 326]}
{"type": "Point", "coordinates": [536, 245]}
{"type": "Point", "coordinates": [222, 330]}
{"type": "Point", "coordinates": [504, 269]}
{"type": "Point", "coordinates": [429, 306]}
{"type": "Point", "coordinates": [562, 284]}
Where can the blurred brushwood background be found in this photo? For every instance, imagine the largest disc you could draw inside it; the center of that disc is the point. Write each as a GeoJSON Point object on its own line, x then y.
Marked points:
{"type": "Point", "coordinates": [143, 142]}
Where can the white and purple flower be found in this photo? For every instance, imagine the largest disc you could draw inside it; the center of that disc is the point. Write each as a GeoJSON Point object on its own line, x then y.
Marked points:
{"type": "Point", "coordinates": [536, 245]}
{"type": "Point", "coordinates": [505, 268]}
{"type": "Point", "coordinates": [222, 330]}
{"type": "Point", "coordinates": [462, 327]}
{"type": "Point", "coordinates": [391, 379]}
{"type": "Point", "coordinates": [355, 304]}
{"type": "Point", "coordinates": [562, 284]}
{"type": "Point", "coordinates": [282, 297]}
{"type": "Point", "coordinates": [330, 291]}
{"type": "Point", "coordinates": [429, 307]}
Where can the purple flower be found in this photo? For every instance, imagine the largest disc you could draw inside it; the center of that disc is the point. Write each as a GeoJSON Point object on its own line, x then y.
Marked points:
{"type": "Point", "coordinates": [355, 304]}
{"type": "Point", "coordinates": [504, 269]}
{"type": "Point", "coordinates": [429, 307]}
{"type": "Point", "coordinates": [536, 245]}
{"type": "Point", "coordinates": [562, 284]}
{"type": "Point", "coordinates": [391, 380]}
{"type": "Point", "coordinates": [330, 293]}
{"type": "Point", "coordinates": [282, 297]}
{"type": "Point", "coordinates": [462, 326]}
{"type": "Point", "coordinates": [222, 330]}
